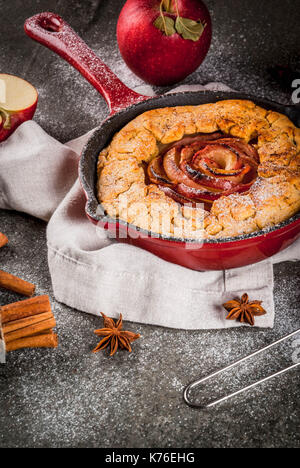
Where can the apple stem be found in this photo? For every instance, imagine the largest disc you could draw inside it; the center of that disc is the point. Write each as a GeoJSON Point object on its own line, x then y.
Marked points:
{"type": "Point", "coordinates": [165, 4]}
{"type": "Point", "coordinates": [6, 118]}
{"type": "Point", "coordinates": [161, 6]}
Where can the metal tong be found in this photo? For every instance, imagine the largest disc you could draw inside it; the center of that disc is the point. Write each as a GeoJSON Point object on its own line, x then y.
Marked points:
{"type": "Point", "coordinates": [2, 345]}
{"type": "Point", "coordinates": [195, 383]}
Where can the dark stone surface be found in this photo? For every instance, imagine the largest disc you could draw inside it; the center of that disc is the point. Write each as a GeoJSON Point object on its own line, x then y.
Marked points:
{"type": "Point", "coordinates": [70, 397]}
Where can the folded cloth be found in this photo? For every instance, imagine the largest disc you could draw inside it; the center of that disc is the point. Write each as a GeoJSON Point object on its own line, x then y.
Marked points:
{"type": "Point", "coordinates": [92, 273]}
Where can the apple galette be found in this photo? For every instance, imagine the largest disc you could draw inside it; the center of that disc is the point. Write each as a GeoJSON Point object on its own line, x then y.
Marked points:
{"type": "Point", "coordinates": [209, 171]}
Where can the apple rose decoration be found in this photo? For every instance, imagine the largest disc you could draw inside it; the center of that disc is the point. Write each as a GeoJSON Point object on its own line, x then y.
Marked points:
{"type": "Point", "coordinates": [164, 41]}
{"type": "Point", "coordinates": [204, 168]}
{"type": "Point", "coordinates": [18, 101]}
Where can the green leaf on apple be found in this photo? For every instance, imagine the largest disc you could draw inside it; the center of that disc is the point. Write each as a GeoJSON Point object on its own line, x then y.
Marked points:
{"type": "Point", "coordinates": [165, 24]}
{"type": "Point", "coordinates": [189, 29]}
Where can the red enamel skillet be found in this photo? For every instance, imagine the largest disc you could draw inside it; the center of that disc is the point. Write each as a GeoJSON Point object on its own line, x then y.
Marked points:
{"type": "Point", "coordinates": [124, 105]}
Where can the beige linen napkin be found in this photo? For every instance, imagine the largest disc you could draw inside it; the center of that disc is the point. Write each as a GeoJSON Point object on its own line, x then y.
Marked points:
{"type": "Point", "coordinates": [91, 273]}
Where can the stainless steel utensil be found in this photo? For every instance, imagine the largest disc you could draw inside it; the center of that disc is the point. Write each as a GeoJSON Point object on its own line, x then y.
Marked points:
{"type": "Point", "coordinates": [195, 383]}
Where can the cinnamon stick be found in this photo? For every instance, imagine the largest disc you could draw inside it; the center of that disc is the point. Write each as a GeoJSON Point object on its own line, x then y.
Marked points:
{"type": "Point", "coordinates": [44, 332]}
{"type": "Point", "coordinates": [48, 340]}
{"type": "Point", "coordinates": [30, 330]}
{"type": "Point", "coordinates": [27, 308]}
{"type": "Point", "coordinates": [25, 322]}
{"type": "Point", "coordinates": [13, 283]}
{"type": "Point", "coordinates": [3, 240]}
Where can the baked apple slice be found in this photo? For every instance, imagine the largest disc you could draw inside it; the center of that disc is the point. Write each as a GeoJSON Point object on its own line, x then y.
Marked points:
{"type": "Point", "coordinates": [18, 101]}
{"type": "Point", "coordinates": [203, 168]}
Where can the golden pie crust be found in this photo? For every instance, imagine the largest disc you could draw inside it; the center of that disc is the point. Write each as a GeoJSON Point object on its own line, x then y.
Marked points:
{"type": "Point", "coordinates": [274, 197]}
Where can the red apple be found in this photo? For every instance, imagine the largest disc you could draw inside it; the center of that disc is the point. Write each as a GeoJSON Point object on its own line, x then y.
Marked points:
{"type": "Point", "coordinates": [164, 41]}
{"type": "Point", "coordinates": [18, 101]}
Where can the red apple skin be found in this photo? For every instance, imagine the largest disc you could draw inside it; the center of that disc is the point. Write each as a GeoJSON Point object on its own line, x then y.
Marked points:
{"type": "Point", "coordinates": [16, 120]}
{"type": "Point", "coordinates": [156, 58]}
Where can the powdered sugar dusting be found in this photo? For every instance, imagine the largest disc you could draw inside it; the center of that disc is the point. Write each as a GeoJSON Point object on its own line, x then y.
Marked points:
{"type": "Point", "coordinates": [262, 191]}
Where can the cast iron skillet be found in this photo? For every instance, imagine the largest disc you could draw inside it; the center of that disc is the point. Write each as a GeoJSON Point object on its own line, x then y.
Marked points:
{"type": "Point", "coordinates": [124, 105]}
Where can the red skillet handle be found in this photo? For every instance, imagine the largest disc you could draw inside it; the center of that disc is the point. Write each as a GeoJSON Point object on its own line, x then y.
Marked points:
{"type": "Point", "coordinates": [53, 32]}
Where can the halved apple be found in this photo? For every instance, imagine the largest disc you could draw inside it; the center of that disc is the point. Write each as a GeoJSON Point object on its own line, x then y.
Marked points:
{"type": "Point", "coordinates": [18, 101]}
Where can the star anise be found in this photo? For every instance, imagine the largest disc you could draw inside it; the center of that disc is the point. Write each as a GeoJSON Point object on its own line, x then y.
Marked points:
{"type": "Point", "coordinates": [114, 335]}
{"type": "Point", "coordinates": [244, 310]}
